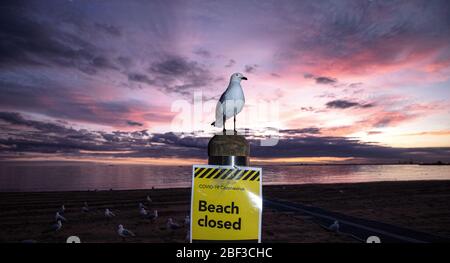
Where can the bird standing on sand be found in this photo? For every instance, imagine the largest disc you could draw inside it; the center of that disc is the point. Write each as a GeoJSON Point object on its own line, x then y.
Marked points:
{"type": "Point", "coordinates": [59, 217]}
{"type": "Point", "coordinates": [188, 237]}
{"type": "Point", "coordinates": [171, 225]}
{"type": "Point", "coordinates": [230, 103]}
{"type": "Point", "coordinates": [62, 209]}
{"type": "Point", "coordinates": [153, 216]}
{"type": "Point", "coordinates": [85, 208]}
{"type": "Point", "coordinates": [142, 206]}
{"type": "Point", "coordinates": [124, 233]}
{"type": "Point", "coordinates": [143, 212]}
{"type": "Point", "coordinates": [334, 227]}
{"type": "Point", "coordinates": [109, 214]}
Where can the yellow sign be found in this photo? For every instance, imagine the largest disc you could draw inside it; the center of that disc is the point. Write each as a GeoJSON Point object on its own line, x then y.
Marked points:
{"type": "Point", "coordinates": [226, 203]}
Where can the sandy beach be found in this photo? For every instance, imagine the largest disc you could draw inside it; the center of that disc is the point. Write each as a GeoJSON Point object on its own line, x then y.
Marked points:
{"type": "Point", "coordinates": [419, 205]}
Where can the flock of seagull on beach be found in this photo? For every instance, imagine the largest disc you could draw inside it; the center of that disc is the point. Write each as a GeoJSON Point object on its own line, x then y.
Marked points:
{"type": "Point", "coordinates": [121, 230]}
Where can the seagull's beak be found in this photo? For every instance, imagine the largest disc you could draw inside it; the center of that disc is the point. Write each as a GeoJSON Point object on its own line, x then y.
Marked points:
{"type": "Point", "coordinates": [244, 78]}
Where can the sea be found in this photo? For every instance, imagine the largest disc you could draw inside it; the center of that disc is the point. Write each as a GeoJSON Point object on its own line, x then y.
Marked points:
{"type": "Point", "coordinates": [37, 177]}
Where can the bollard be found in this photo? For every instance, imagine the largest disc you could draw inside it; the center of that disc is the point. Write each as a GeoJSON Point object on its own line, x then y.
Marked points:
{"type": "Point", "coordinates": [231, 150]}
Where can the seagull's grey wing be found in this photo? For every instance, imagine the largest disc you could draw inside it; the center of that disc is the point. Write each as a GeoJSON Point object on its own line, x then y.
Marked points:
{"type": "Point", "coordinates": [222, 97]}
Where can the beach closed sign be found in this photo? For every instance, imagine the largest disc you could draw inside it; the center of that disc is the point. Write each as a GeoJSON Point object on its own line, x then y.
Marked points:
{"type": "Point", "coordinates": [226, 203]}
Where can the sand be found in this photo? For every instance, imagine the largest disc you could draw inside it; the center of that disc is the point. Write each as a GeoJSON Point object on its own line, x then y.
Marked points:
{"type": "Point", "coordinates": [420, 205]}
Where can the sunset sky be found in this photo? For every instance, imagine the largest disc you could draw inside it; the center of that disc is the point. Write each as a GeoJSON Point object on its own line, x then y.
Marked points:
{"type": "Point", "coordinates": [345, 81]}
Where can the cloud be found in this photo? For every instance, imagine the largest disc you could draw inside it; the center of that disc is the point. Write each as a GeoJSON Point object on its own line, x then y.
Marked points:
{"type": "Point", "coordinates": [325, 80]}
{"type": "Point", "coordinates": [275, 75]}
{"type": "Point", "coordinates": [17, 119]}
{"type": "Point", "coordinates": [345, 104]}
{"type": "Point", "coordinates": [57, 101]}
{"type": "Point", "coordinates": [109, 29]}
{"type": "Point", "coordinates": [175, 74]}
{"type": "Point", "coordinates": [230, 63]}
{"type": "Point", "coordinates": [56, 139]}
{"type": "Point", "coordinates": [311, 130]}
{"type": "Point", "coordinates": [250, 68]}
{"type": "Point", "coordinates": [137, 77]}
{"type": "Point", "coordinates": [433, 133]}
{"type": "Point", "coordinates": [307, 108]}
{"type": "Point", "coordinates": [31, 42]}
{"type": "Point", "coordinates": [134, 123]}
{"type": "Point", "coordinates": [351, 37]}
{"type": "Point", "coordinates": [321, 80]}
{"type": "Point", "coordinates": [202, 53]}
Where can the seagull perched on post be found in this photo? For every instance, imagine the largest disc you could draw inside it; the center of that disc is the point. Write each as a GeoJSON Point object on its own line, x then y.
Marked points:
{"type": "Point", "coordinates": [231, 102]}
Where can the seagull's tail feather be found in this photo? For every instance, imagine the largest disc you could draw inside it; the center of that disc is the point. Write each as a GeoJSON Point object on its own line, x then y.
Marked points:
{"type": "Point", "coordinates": [213, 123]}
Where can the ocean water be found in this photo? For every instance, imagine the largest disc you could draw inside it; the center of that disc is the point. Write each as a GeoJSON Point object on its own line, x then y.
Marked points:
{"type": "Point", "coordinates": [82, 177]}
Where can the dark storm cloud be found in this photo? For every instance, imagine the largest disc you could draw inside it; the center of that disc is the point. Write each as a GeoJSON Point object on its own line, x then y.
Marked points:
{"type": "Point", "coordinates": [134, 123]}
{"type": "Point", "coordinates": [140, 78]}
{"type": "Point", "coordinates": [321, 79]}
{"type": "Point", "coordinates": [175, 66]}
{"type": "Point", "coordinates": [175, 74]}
{"type": "Point", "coordinates": [345, 147]}
{"type": "Point", "coordinates": [325, 80]}
{"type": "Point", "coordinates": [51, 138]}
{"type": "Point", "coordinates": [27, 41]}
{"type": "Point", "coordinates": [57, 101]}
{"type": "Point", "coordinates": [17, 119]}
{"type": "Point", "coordinates": [124, 61]}
{"type": "Point", "coordinates": [311, 130]}
{"type": "Point", "coordinates": [345, 104]}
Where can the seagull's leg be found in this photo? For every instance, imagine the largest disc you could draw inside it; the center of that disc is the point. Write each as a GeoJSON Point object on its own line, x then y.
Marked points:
{"type": "Point", "coordinates": [235, 132]}
{"type": "Point", "coordinates": [224, 130]}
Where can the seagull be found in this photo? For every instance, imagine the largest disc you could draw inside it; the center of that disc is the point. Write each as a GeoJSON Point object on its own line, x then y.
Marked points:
{"type": "Point", "coordinates": [231, 102]}
{"type": "Point", "coordinates": [124, 233]}
{"type": "Point", "coordinates": [59, 217]}
{"type": "Point", "coordinates": [187, 221]}
{"type": "Point", "coordinates": [143, 212]}
{"type": "Point", "coordinates": [85, 208]}
{"type": "Point", "coordinates": [154, 215]}
{"type": "Point", "coordinates": [62, 209]}
{"type": "Point", "coordinates": [334, 227]}
{"type": "Point", "coordinates": [109, 214]}
{"type": "Point", "coordinates": [171, 224]}
{"type": "Point", "coordinates": [188, 237]}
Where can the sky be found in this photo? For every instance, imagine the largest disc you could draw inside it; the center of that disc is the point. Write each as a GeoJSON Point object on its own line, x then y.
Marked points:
{"type": "Point", "coordinates": [137, 81]}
